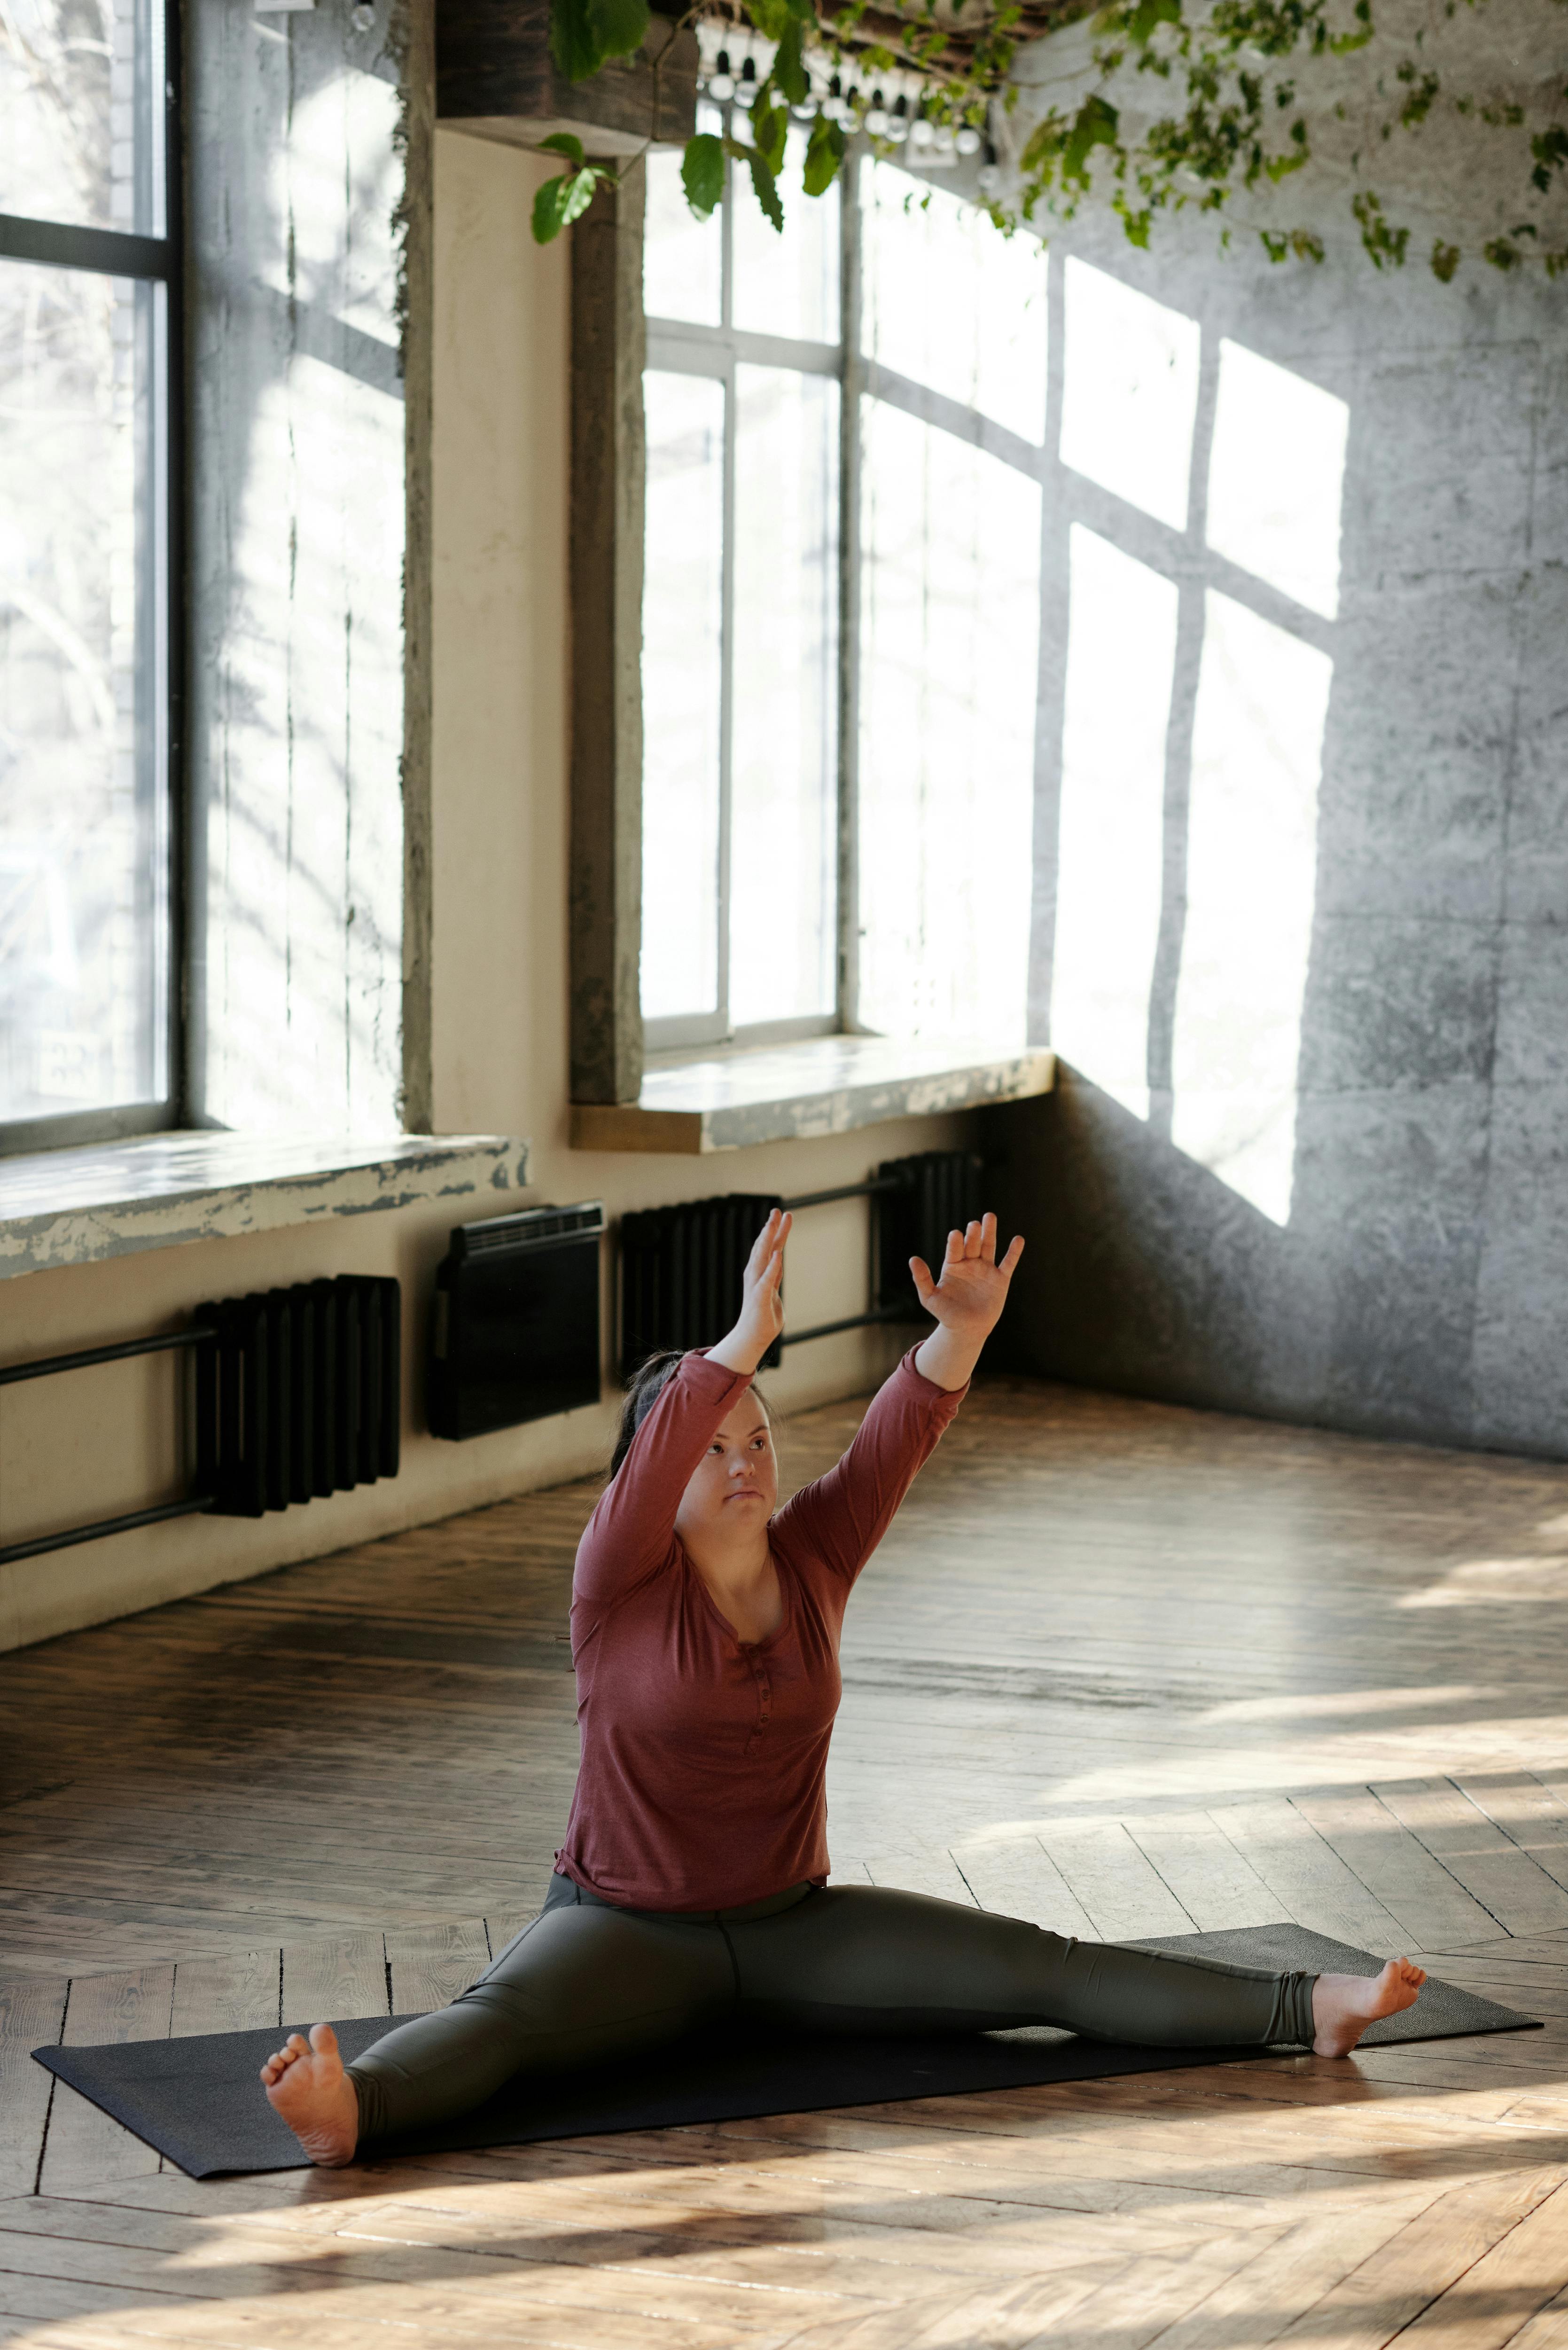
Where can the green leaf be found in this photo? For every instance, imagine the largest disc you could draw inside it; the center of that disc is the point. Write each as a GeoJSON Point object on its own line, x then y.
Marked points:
{"type": "Point", "coordinates": [767, 190]}
{"type": "Point", "coordinates": [804, 10]}
{"type": "Point", "coordinates": [562, 201]}
{"type": "Point", "coordinates": [574, 43]}
{"type": "Point", "coordinates": [1094, 125]}
{"type": "Point", "coordinates": [789, 66]}
{"type": "Point", "coordinates": [770, 130]}
{"type": "Point", "coordinates": [561, 142]}
{"type": "Point", "coordinates": [702, 173]}
{"type": "Point", "coordinates": [824, 154]}
{"type": "Point", "coordinates": [1147, 16]}
{"type": "Point", "coordinates": [618, 25]}
{"type": "Point", "coordinates": [1445, 261]}
{"type": "Point", "coordinates": [771, 17]}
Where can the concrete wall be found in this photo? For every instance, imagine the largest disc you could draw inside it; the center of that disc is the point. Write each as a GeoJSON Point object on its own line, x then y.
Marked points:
{"type": "Point", "coordinates": [1401, 1265]}
{"type": "Point", "coordinates": [114, 1438]}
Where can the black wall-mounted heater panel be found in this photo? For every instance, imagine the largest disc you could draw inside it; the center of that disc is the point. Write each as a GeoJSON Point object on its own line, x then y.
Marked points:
{"type": "Point", "coordinates": [516, 1333]}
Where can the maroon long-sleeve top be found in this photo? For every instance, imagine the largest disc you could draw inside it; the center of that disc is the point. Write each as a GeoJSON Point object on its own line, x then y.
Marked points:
{"type": "Point", "coordinates": [704, 1757]}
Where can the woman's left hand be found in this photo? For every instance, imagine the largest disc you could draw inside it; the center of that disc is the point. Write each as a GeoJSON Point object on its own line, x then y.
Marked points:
{"type": "Point", "coordinates": [966, 1299]}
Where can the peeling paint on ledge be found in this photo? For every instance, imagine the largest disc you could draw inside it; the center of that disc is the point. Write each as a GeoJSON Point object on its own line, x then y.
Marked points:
{"type": "Point", "coordinates": [76, 1207]}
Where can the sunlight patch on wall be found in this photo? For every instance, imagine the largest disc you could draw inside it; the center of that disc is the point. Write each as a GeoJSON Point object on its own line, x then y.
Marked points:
{"type": "Point", "coordinates": [1129, 393]}
{"type": "Point", "coordinates": [1263, 699]}
{"type": "Point", "coordinates": [1276, 476]}
{"type": "Point", "coordinates": [1121, 652]}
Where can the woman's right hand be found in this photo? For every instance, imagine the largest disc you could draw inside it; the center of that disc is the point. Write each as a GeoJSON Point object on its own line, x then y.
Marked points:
{"type": "Point", "coordinates": [762, 1314]}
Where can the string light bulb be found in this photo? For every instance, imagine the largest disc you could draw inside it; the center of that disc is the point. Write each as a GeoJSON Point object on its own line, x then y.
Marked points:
{"type": "Point", "coordinates": [922, 133]}
{"type": "Point", "coordinates": [876, 118]}
{"type": "Point", "coordinates": [897, 129]}
{"type": "Point", "coordinates": [968, 141]}
{"type": "Point", "coordinates": [721, 81]}
{"type": "Point", "coordinates": [746, 88]}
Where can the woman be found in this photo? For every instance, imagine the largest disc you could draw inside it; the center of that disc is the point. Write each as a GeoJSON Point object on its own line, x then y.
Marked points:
{"type": "Point", "coordinates": [692, 1881]}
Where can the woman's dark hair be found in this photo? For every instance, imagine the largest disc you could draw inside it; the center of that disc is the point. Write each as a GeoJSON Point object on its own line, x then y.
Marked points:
{"type": "Point", "coordinates": [642, 1393]}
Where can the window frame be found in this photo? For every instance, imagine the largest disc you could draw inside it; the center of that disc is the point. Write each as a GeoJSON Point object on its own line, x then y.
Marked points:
{"type": "Point", "coordinates": [158, 261]}
{"type": "Point", "coordinates": [680, 346]}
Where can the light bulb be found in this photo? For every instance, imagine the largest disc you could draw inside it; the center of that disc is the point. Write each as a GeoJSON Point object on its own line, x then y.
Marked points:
{"type": "Point", "coordinates": [920, 132]}
{"type": "Point", "coordinates": [897, 129]}
{"type": "Point", "coordinates": [721, 81]}
{"type": "Point", "coordinates": [968, 141]}
{"type": "Point", "coordinates": [944, 139]}
{"type": "Point", "coordinates": [746, 90]}
{"type": "Point", "coordinates": [876, 120]}
{"type": "Point", "coordinates": [988, 179]}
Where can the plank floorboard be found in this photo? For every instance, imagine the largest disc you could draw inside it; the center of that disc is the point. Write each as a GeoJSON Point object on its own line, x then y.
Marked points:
{"type": "Point", "coordinates": [1118, 1670]}
{"type": "Point", "coordinates": [85, 2146]}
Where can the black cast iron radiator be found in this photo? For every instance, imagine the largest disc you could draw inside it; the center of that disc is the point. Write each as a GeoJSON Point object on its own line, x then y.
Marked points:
{"type": "Point", "coordinates": [298, 1394]}
{"type": "Point", "coordinates": [680, 1272]}
{"type": "Point", "coordinates": [680, 1267]}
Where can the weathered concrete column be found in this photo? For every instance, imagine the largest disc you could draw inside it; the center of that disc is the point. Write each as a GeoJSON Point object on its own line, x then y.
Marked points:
{"type": "Point", "coordinates": [609, 457]}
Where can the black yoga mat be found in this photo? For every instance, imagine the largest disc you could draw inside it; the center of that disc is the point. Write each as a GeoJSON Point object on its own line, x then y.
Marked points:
{"type": "Point", "coordinates": [199, 2101]}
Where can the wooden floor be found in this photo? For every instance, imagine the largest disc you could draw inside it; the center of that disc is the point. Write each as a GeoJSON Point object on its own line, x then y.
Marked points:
{"type": "Point", "coordinates": [1119, 1668]}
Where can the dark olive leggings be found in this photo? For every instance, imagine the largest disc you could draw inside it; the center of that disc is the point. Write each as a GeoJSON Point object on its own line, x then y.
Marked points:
{"type": "Point", "coordinates": [588, 1981]}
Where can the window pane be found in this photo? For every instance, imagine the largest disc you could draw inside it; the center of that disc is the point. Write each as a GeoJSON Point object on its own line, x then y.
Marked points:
{"type": "Point", "coordinates": [681, 255]}
{"type": "Point", "coordinates": [784, 832]}
{"type": "Point", "coordinates": [788, 284]}
{"type": "Point", "coordinates": [952, 302]}
{"type": "Point", "coordinates": [83, 910]}
{"type": "Point", "coordinates": [81, 85]}
{"type": "Point", "coordinates": [682, 605]}
{"type": "Point", "coordinates": [950, 622]}
{"type": "Point", "coordinates": [1130, 392]}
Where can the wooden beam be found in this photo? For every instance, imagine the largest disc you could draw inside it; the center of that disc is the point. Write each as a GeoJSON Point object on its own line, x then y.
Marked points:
{"type": "Point", "coordinates": [608, 453]}
{"type": "Point", "coordinates": [495, 76]}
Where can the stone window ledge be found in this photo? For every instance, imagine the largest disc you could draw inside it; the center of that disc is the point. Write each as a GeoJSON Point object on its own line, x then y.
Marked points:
{"type": "Point", "coordinates": [801, 1092]}
{"type": "Point", "coordinates": [115, 1199]}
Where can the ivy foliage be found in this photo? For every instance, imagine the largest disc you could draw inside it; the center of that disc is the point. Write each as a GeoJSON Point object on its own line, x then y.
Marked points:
{"type": "Point", "coordinates": [1239, 120]}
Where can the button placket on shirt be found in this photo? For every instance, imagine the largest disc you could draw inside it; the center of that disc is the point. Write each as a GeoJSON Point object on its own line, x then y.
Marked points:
{"type": "Point", "coordinates": [764, 1696]}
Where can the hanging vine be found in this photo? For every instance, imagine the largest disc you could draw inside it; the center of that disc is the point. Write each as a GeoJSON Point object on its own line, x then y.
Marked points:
{"type": "Point", "coordinates": [1243, 116]}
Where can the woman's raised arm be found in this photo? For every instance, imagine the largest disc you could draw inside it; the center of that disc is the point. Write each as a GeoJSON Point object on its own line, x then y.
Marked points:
{"type": "Point", "coordinates": [966, 1298]}
{"type": "Point", "coordinates": [843, 1516]}
{"type": "Point", "coordinates": [631, 1534]}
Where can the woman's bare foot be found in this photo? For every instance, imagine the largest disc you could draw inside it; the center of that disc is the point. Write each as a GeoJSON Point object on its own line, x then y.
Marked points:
{"type": "Point", "coordinates": [306, 2082]}
{"type": "Point", "coordinates": [1344, 2005]}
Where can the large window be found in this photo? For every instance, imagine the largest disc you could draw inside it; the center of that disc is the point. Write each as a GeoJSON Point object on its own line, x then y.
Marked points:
{"type": "Point", "coordinates": [840, 615]}
{"type": "Point", "coordinates": [87, 283]}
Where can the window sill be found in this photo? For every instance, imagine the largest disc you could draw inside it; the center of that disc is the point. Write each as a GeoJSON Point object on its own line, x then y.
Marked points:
{"type": "Point", "coordinates": [115, 1199]}
{"type": "Point", "coordinates": [827, 1085]}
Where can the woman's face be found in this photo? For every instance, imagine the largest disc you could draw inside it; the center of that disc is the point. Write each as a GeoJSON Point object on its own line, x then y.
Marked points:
{"type": "Point", "coordinates": [734, 1488]}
